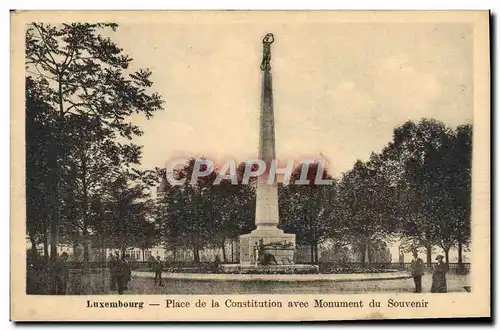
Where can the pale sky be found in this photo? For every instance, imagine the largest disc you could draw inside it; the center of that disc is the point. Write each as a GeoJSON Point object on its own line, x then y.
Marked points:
{"type": "Point", "coordinates": [339, 89]}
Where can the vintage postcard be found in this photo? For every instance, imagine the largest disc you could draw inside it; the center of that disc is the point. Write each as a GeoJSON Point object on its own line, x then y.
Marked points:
{"type": "Point", "coordinates": [250, 165]}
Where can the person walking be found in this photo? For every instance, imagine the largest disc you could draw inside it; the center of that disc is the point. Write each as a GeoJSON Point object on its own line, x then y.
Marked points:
{"type": "Point", "coordinates": [417, 271]}
{"type": "Point", "coordinates": [158, 268]}
{"type": "Point", "coordinates": [439, 276]}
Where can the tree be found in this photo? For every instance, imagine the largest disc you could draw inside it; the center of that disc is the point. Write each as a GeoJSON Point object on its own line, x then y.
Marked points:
{"type": "Point", "coordinates": [234, 210]}
{"type": "Point", "coordinates": [95, 159]}
{"type": "Point", "coordinates": [451, 177]}
{"type": "Point", "coordinates": [411, 148]}
{"type": "Point", "coordinates": [189, 212]}
{"type": "Point", "coordinates": [204, 214]}
{"type": "Point", "coordinates": [433, 184]}
{"type": "Point", "coordinates": [308, 210]}
{"type": "Point", "coordinates": [243, 217]}
{"type": "Point", "coordinates": [366, 198]}
{"type": "Point", "coordinates": [461, 180]}
{"type": "Point", "coordinates": [86, 76]}
{"type": "Point", "coordinates": [123, 212]}
{"type": "Point", "coordinates": [39, 138]}
{"type": "Point", "coordinates": [443, 193]}
{"type": "Point", "coordinates": [170, 231]}
{"type": "Point", "coordinates": [147, 235]}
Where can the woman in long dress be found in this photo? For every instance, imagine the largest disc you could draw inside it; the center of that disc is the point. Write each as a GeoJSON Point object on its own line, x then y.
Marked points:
{"type": "Point", "coordinates": [439, 276]}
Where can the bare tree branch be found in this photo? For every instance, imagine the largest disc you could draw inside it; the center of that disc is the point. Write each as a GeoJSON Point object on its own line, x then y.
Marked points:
{"type": "Point", "coordinates": [47, 46]}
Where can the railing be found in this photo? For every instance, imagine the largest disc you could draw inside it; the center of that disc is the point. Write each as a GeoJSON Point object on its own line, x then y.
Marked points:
{"type": "Point", "coordinates": [456, 268]}
{"type": "Point", "coordinates": [142, 265]}
{"type": "Point", "coordinates": [136, 264]}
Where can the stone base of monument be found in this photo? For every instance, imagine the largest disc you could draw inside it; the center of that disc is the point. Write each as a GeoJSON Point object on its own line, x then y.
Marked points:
{"type": "Point", "coordinates": [281, 245]}
{"type": "Point", "coordinates": [270, 269]}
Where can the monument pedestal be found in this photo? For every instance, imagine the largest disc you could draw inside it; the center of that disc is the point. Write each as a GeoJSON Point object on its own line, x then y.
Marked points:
{"type": "Point", "coordinates": [270, 236]}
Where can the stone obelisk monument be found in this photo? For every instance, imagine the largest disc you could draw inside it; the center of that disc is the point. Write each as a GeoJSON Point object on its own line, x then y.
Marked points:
{"type": "Point", "coordinates": [266, 211]}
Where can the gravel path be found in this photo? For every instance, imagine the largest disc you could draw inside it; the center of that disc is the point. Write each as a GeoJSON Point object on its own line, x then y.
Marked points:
{"type": "Point", "coordinates": [140, 285]}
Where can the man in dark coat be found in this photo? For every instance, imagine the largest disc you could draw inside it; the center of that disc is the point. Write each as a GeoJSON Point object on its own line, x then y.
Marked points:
{"type": "Point", "coordinates": [417, 271]}
{"type": "Point", "coordinates": [61, 274]}
{"type": "Point", "coordinates": [123, 274]}
{"type": "Point", "coordinates": [158, 268]}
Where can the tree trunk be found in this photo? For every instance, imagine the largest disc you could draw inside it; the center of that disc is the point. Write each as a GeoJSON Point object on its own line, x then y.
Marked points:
{"type": "Point", "coordinates": [33, 244]}
{"type": "Point", "coordinates": [223, 247]}
{"type": "Point", "coordinates": [75, 249]}
{"type": "Point", "coordinates": [104, 264]}
{"type": "Point", "coordinates": [232, 251]}
{"type": "Point", "coordinates": [143, 255]}
{"type": "Point", "coordinates": [447, 254]}
{"type": "Point", "coordinates": [316, 257]}
{"type": "Point", "coordinates": [460, 261]}
{"type": "Point", "coordinates": [369, 254]}
{"type": "Point", "coordinates": [54, 230]}
{"type": "Point", "coordinates": [84, 202]}
{"type": "Point", "coordinates": [363, 255]}
{"type": "Point", "coordinates": [45, 247]}
{"type": "Point", "coordinates": [314, 240]}
{"type": "Point", "coordinates": [55, 218]}
{"type": "Point", "coordinates": [54, 165]}
{"type": "Point", "coordinates": [311, 248]}
{"type": "Point", "coordinates": [429, 255]}
{"type": "Point", "coordinates": [196, 254]}
{"type": "Point", "coordinates": [54, 223]}
{"type": "Point", "coordinates": [86, 253]}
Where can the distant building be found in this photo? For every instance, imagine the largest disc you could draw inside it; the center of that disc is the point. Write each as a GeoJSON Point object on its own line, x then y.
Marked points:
{"type": "Point", "coordinates": [76, 253]}
{"type": "Point", "coordinates": [436, 250]}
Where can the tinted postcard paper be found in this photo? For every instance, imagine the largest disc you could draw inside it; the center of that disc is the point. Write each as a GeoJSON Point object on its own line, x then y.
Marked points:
{"type": "Point", "coordinates": [250, 165]}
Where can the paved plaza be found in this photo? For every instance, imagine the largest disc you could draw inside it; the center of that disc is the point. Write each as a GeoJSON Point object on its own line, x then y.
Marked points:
{"type": "Point", "coordinates": [141, 285]}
